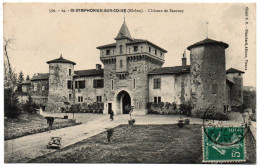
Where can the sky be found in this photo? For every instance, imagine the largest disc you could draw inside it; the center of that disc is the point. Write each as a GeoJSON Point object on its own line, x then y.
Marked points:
{"type": "Point", "coordinates": [41, 36]}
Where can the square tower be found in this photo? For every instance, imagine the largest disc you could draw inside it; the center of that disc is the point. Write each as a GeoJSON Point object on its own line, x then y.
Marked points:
{"type": "Point", "coordinates": [126, 65]}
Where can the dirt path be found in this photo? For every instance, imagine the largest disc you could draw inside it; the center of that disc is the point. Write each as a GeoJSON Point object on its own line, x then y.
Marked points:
{"type": "Point", "coordinates": [29, 147]}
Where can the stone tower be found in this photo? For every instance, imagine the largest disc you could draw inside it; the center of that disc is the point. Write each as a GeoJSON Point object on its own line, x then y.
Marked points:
{"type": "Point", "coordinates": [208, 75]}
{"type": "Point", "coordinates": [126, 65]}
{"type": "Point", "coordinates": [60, 83]}
{"type": "Point", "coordinates": [236, 91]}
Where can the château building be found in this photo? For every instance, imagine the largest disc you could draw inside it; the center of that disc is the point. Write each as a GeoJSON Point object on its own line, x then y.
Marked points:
{"type": "Point", "coordinates": [132, 74]}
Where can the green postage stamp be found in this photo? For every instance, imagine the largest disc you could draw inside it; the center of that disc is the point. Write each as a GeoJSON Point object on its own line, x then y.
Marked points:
{"type": "Point", "coordinates": [223, 144]}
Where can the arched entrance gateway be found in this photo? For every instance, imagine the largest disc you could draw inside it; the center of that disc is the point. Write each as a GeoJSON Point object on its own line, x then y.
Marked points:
{"type": "Point", "coordinates": [122, 100]}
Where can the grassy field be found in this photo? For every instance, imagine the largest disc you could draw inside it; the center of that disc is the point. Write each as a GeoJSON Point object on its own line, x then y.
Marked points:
{"type": "Point", "coordinates": [28, 124]}
{"type": "Point", "coordinates": [139, 144]}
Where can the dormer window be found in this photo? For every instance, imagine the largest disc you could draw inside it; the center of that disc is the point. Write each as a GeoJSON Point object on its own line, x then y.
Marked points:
{"type": "Point", "coordinates": [135, 48]}
{"type": "Point", "coordinates": [108, 52]}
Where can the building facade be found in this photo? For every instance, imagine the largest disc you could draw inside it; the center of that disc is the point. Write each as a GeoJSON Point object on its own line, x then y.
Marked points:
{"type": "Point", "coordinates": [132, 74]}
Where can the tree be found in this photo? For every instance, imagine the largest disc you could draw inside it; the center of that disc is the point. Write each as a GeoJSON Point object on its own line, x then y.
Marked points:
{"type": "Point", "coordinates": [11, 102]}
{"type": "Point", "coordinates": [9, 72]}
{"type": "Point", "coordinates": [20, 78]}
{"type": "Point", "coordinates": [27, 77]}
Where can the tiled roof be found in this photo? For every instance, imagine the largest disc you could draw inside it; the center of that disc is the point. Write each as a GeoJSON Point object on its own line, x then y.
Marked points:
{"type": "Point", "coordinates": [208, 41]}
{"type": "Point", "coordinates": [26, 82]}
{"type": "Point", "coordinates": [233, 70]}
{"type": "Point", "coordinates": [170, 70]}
{"type": "Point", "coordinates": [61, 60]}
{"type": "Point", "coordinates": [91, 72]}
{"type": "Point", "coordinates": [41, 76]}
{"type": "Point", "coordinates": [135, 41]}
{"type": "Point", "coordinates": [107, 46]}
{"type": "Point", "coordinates": [124, 32]}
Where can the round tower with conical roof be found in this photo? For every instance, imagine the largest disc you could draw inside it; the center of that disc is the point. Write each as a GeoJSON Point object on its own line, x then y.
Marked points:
{"type": "Point", "coordinates": [60, 84]}
{"type": "Point", "coordinates": [208, 75]}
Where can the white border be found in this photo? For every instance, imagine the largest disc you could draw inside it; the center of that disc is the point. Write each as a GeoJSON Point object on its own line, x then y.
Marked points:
{"type": "Point", "coordinates": [114, 1]}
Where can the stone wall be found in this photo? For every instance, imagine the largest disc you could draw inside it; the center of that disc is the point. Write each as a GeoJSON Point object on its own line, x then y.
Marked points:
{"type": "Point", "coordinates": [137, 73]}
{"type": "Point", "coordinates": [236, 91]}
{"type": "Point", "coordinates": [208, 77]}
{"type": "Point", "coordinates": [58, 85]}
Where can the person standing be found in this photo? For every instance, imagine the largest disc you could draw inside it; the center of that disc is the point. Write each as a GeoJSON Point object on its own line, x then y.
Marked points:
{"type": "Point", "coordinates": [112, 115]}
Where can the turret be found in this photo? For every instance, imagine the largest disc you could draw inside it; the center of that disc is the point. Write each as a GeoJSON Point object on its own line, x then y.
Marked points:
{"type": "Point", "coordinates": [208, 75]}
{"type": "Point", "coordinates": [60, 83]}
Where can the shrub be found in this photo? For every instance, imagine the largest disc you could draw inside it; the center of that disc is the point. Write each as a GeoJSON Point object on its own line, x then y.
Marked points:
{"type": "Point", "coordinates": [109, 134]}
{"type": "Point", "coordinates": [187, 121]}
{"type": "Point", "coordinates": [131, 122]}
{"type": "Point", "coordinates": [181, 123]}
{"type": "Point", "coordinates": [50, 121]}
{"type": "Point", "coordinates": [186, 109]}
{"type": "Point", "coordinates": [253, 117]}
{"type": "Point", "coordinates": [30, 106]}
{"type": "Point", "coordinates": [11, 104]}
{"type": "Point", "coordinates": [211, 114]}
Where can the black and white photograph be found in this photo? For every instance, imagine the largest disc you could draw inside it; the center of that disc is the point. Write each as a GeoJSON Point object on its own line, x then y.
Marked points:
{"type": "Point", "coordinates": [129, 83]}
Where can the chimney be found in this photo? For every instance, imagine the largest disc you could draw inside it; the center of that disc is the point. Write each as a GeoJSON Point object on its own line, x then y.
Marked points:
{"type": "Point", "coordinates": [98, 67]}
{"type": "Point", "coordinates": [184, 59]}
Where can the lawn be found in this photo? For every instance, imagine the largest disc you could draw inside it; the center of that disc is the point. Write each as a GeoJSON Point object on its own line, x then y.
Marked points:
{"type": "Point", "coordinates": [140, 144]}
{"type": "Point", "coordinates": [28, 124]}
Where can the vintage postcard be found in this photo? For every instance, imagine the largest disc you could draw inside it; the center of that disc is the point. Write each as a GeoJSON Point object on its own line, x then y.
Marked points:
{"type": "Point", "coordinates": [153, 83]}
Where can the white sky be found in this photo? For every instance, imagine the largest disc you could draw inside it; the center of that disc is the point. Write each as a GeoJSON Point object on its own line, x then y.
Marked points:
{"type": "Point", "coordinates": [41, 36]}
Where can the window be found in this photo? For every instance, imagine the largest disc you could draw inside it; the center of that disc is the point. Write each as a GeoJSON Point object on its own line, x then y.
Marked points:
{"type": "Point", "coordinates": [99, 98]}
{"type": "Point", "coordinates": [80, 84]}
{"type": "Point", "coordinates": [141, 48]}
{"type": "Point", "coordinates": [135, 48]}
{"type": "Point", "coordinates": [69, 96]}
{"type": "Point", "coordinates": [134, 83]}
{"type": "Point", "coordinates": [108, 52]}
{"type": "Point", "coordinates": [70, 86]}
{"type": "Point", "coordinates": [239, 94]}
{"type": "Point", "coordinates": [121, 49]}
{"type": "Point", "coordinates": [43, 88]}
{"type": "Point", "coordinates": [129, 50]}
{"type": "Point", "coordinates": [157, 83]}
{"type": "Point", "coordinates": [69, 72]}
{"type": "Point", "coordinates": [35, 86]}
{"type": "Point", "coordinates": [155, 51]}
{"type": "Point", "coordinates": [112, 84]}
{"type": "Point", "coordinates": [157, 99]}
{"type": "Point", "coordinates": [98, 83]}
{"type": "Point", "coordinates": [121, 63]}
{"type": "Point", "coordinates": [161, 54]}
{"type": "Point", "coordinates": [150, 49]}
{"type": "Point", "coordinates": [113, 52]}
{"type": "Point", "coordinates": [80, 99]}
{"type": "Point", "coordinates": [239, 74]}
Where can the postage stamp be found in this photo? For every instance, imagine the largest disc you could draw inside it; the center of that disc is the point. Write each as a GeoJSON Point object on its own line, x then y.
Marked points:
{"type": "Point", "coordinates": [223, 144]}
